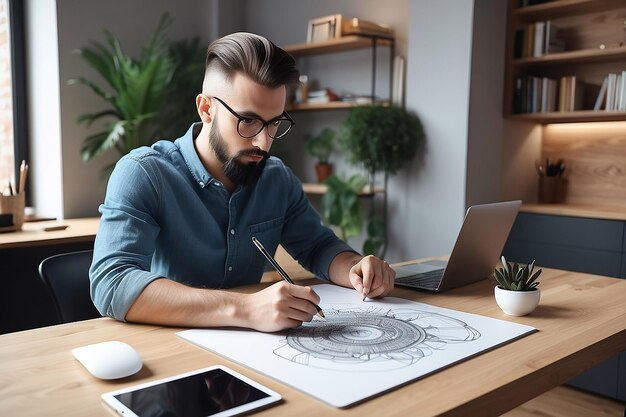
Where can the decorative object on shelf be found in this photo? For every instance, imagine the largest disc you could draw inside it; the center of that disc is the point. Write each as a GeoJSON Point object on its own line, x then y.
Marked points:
{"type": "Point", "coordinates": [381, 139]}
{"type": "Point", "coordinates": [517, 292]}
{"type": "Point", "coordinates": [324, 28]}
{"type": "Point", "coordinates": [321, 146]}
{"type": "Point", "coordinates": [340, 205]}
{"type": "Point", "coordinates": [12, 202]}
{"type": "Point", "coordinates": [356, 26]}
{"type": "Point", "coordinates": [302, 93]}
{"type": "Point", "coordinates": [150, 97]}
{"type": "Point", "coordinates": [552, 184]}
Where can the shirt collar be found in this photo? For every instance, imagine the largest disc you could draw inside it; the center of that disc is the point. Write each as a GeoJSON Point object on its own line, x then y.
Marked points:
{"type": "Point", "coordinates": [188, 151]}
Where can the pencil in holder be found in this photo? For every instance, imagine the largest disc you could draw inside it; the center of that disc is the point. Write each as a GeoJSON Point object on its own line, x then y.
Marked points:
{"type": "Point", "coordinates": [12, 205]}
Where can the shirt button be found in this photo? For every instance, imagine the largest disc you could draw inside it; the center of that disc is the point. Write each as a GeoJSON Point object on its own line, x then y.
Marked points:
{"type": "Point", "coordinates": [232, 231]}
{"type": "Point", "coordinates": [230, 268]}
{"type": "Point", "coordinates": [201, 184]}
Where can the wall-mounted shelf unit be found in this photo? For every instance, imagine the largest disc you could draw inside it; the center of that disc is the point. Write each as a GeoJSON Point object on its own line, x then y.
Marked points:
{"type": "Point", "coordinates": [320, 189]}
{"type": "Point", "coordinates": [344, 44]}
{"type": "Point", "coordinates": [592, 39]}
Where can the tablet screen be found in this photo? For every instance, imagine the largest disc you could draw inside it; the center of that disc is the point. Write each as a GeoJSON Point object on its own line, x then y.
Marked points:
{"type": "Point", "coordinates": [215, 391]}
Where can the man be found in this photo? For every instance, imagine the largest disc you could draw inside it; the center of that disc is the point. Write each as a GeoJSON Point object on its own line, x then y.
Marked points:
{"type": "Point", "coordinates": [179, 217]}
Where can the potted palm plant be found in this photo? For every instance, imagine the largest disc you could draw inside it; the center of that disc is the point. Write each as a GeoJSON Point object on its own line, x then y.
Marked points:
{"type": "Point", "coordinates": [320, 147]}
{"type": "Point", "coordinates": [148, 97]}
{"type": "Point", "coordinates": [517, 293]}
{"type": "Point", "coordinates": [380, 139]}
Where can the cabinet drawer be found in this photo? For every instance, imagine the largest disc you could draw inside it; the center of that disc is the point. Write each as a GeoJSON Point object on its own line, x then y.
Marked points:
{"type": "Point", "coordinates": [578, 232]}
{"type": "Point", "coordinates": [621, 378]}
{"type": "Point", "coordinates": [563, 257]}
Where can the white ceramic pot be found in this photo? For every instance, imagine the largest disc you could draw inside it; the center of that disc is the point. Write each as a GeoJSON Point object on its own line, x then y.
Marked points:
{"type": "Point", "coordinates": [517, 303]}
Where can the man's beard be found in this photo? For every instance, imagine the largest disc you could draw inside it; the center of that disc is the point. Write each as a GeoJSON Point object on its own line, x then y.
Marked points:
{"type": "Point", "coordinates": [236, 171]}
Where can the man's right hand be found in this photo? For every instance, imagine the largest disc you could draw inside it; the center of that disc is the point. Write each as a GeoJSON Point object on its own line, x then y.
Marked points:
{"type": "Point", "coordinates": [281, 306]}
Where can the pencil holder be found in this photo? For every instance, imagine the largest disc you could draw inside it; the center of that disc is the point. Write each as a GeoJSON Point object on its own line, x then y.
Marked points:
{"type": "Point", "coordinates": [13, 205]}
{"type": "Point", "coordinates": [552, 190]}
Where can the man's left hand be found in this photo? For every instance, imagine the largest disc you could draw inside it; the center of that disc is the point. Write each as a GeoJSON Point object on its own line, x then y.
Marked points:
{"type": "Point", "coordinates": [372, 277]}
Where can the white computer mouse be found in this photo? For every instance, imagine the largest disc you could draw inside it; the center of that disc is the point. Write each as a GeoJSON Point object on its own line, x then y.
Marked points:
{"type": "Point", "coordinates": [109, 360]}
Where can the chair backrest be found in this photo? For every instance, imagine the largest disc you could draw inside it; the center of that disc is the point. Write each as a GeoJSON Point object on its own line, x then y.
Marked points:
{"type": "Point", "coordinates": [67, 278]}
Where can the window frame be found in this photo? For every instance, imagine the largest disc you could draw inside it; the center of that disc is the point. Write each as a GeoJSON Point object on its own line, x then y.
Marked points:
{"type": "Point", "coordinates": [18, 81]}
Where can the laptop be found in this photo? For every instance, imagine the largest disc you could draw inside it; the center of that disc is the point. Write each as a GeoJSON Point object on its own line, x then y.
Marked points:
{"type": "Point", "coordinates": [475, 254]}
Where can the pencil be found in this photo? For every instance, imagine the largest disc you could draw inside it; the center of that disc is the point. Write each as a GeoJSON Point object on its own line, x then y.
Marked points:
{"type": "Point", "coordinates": [22, 184]}
{"type": "Point", "coordinates": [280, 270]}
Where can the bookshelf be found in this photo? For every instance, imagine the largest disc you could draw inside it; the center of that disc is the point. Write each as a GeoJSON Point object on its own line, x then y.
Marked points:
{"type": "Point", "coordinates": [593, 35]}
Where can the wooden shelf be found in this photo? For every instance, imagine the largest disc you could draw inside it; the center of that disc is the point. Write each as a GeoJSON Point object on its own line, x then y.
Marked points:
{"type": "Point", "coordinates": [333, 105]}
{"type": "Point", "coordinates": [583, 25]}
{"type": "Point", "coordinates": [320, 189]}
{"type": "Point", "coordinates": [344, 43]}
{"type": "Point", "coordinates": [571, 117]}
{"type": "Point", "coordinates": [559, 8]}
{"type": "Point", "coordinates": [581, 56]}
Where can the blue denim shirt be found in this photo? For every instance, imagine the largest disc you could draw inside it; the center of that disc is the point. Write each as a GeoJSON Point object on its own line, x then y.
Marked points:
{"type": "Point", "coordinates": [164, 215]}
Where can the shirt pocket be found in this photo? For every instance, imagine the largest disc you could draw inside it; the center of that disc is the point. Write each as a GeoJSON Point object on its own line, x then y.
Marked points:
{"type": "Point", "coordinates": [268, 233]}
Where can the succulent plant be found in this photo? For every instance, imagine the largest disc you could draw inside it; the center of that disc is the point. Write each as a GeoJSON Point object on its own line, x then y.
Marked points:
{"type": "Point", "coordinates": [514, 277]}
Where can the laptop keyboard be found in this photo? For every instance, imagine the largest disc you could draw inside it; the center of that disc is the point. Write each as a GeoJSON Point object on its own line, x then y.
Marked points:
{"type": "Point", "coordinates": [428, 280]}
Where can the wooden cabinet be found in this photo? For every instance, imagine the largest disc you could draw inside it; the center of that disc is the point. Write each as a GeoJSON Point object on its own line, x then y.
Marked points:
{"type": "Point", "coordinates": [593, 35]}
{"type": "Point", "coordinates": [595, 246]}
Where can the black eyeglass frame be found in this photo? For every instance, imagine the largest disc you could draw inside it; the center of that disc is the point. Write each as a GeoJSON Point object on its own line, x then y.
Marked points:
{"type": "Point", "coordinates": [285, 116]}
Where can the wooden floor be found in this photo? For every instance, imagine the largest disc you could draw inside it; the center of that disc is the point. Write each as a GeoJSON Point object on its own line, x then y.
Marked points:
{"type": "Point", "coordinates": [568, 402]}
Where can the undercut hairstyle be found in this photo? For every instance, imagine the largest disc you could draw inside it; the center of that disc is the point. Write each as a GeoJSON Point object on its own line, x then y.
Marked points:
{"type": "Point", "coordinates": [253, 56]}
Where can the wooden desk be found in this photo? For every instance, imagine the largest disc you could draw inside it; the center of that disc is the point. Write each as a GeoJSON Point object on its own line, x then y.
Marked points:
{"type": "Point", "coordinates": [581, 322]}
{"type": "Point", "coordinates": [24, 301]}
{"type": "Point", "coordinates": [33, 234]}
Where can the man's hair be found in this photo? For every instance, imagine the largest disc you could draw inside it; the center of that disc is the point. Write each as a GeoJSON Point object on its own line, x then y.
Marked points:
{"type": "Point", "coordinates": [255, 57]}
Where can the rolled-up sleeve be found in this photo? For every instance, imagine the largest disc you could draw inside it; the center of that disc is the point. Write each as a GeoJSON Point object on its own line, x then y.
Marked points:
{"type": "Point", "coordinates": [126, 238]}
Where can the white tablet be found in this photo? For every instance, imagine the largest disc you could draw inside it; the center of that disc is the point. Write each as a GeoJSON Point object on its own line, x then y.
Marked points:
{"type": "Point", "coordinates": [213, 391]}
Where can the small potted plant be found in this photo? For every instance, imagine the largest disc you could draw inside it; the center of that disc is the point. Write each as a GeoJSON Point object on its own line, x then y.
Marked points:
{"type": "Point", "coordinates": [517, 293]}
{"type": "Point", "coordinates": [321, 146]}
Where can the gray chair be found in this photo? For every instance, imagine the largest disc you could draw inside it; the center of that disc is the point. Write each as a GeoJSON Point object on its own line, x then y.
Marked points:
{"type": "Point", "coordinates": [67, 278]}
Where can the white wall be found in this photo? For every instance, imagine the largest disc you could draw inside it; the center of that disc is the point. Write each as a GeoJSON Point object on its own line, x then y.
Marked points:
{"type": "Point", "coordinates": [430, 199]}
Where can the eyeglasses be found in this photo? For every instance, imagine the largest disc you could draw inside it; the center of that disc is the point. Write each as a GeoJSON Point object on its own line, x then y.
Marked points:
{"type": "Point", "coordinates": [249, 127]}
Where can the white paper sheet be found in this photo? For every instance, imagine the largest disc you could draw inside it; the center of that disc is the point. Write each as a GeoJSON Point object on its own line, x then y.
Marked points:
{"type": "Point", "coordinates": [362, 348]}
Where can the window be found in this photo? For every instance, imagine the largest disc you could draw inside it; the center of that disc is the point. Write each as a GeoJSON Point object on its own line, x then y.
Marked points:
{"type": "Point", "coordinates": [13, 142]}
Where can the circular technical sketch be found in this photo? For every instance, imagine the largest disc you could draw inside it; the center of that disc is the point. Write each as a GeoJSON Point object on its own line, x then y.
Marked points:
{"type": "Point", "coordinates": [384, 338]}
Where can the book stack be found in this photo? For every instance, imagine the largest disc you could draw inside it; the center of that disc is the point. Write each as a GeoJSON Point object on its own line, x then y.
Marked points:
{"type": "Point", "coordinates": [535, 94]}
{"type": "Point", "coordinates": [612, 95]}
{"type": "Point", "coordinates": [322, 96]}
{"type": "Point", "coordinates": [537, 39]}
{"type": "Point", "coordinates": [570, 94]}
{"type": "Point", "coordinates": [543, 94]}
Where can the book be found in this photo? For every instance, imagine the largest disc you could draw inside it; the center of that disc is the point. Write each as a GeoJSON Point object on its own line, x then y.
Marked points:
{"type": "Point", "coordinates": [601, 95]}
{"type": "Point", "coordinates": [610, 92]}
{"type": "Point", "coordinates": [551, 42]}
{"type": "Point", "coordinates": [538, 38]}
